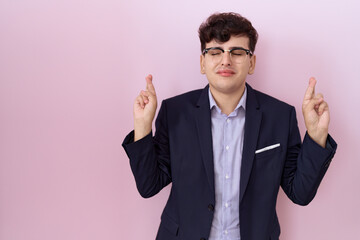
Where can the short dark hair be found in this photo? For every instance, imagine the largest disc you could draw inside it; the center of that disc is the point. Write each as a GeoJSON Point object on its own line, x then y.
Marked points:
{"type": "Point", "coordinates": [221, 26]}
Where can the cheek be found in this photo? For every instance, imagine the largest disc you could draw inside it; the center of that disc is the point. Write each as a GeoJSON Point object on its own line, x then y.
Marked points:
{"type": "Point", "coordinates": [209, 68]}
{"type": "Point", "coordinates": [245, 68]}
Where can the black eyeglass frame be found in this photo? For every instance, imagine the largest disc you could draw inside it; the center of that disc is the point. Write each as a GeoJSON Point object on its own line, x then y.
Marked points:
{"type": "Point", "coordinates": [206, 50]}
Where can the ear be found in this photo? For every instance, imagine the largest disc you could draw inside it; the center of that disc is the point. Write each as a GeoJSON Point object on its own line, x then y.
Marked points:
{"type": "Point", "coordinates": [252, 64]}
{"type": "Point", "coordinates": [202, 64]}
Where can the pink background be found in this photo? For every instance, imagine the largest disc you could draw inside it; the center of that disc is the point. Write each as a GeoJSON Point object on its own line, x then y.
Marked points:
{"type": "Point", "coordinates": [70, 70]}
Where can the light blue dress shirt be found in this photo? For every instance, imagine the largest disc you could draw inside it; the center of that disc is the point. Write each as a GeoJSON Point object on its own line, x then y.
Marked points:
{"type": "Point", "coordinates": [228, 139]}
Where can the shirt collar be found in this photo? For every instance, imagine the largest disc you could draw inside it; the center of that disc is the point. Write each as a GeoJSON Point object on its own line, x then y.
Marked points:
{"type": "Point", "coordinates": [242, 102]}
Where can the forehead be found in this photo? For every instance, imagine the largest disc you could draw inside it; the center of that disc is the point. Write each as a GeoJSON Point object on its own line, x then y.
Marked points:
{"type": "Point", "coordinates": [234, 41]}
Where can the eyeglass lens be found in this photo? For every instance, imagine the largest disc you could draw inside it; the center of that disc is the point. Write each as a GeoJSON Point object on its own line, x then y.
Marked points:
{"type": "Point", "coordinates": [237, 55]}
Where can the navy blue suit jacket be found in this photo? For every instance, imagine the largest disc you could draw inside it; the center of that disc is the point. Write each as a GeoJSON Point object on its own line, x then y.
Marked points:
{"type": "Point", "coordinates": [181, 153]}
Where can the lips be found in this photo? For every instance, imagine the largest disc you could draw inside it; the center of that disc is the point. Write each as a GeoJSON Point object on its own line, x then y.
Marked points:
{"type": "Point", "coordinates": [225, 72]}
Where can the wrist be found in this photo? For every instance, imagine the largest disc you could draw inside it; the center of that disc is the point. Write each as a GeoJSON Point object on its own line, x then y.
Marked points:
{"type": "Point", "coordinates": [319, 138]}
{"type": "Point", "coordinates": [141, 129]}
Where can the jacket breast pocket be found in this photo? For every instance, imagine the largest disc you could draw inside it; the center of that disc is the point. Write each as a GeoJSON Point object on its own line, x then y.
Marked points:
{"type": "Point", "coordinates": [268, 153]}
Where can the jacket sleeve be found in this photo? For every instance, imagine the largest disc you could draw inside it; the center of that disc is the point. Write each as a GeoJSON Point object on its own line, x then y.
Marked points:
{"type": "Point", "coordinates": [150, 157]}
{"type": "Point", "coordinates": [305, 164]}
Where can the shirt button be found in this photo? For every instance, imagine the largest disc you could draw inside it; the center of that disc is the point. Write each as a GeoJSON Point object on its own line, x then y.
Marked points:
{"type": "Point", "coordinates": [226, 205]}
{"type": "Point", "coordinates": [227, 120]}
{"type": "Point", "coordinates": [226, 231]}
{"type": "Point", "coordinates": [227, 176]}
{"type": "Point", "coordinates": [227, 147]}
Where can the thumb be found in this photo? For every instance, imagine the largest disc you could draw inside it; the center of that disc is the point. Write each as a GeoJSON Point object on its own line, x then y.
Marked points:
{"type": "Point", "coordinates": [314, 103]}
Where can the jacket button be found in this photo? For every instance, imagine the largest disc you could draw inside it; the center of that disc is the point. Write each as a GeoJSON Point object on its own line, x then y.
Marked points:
{"type": "Point", "coordinates": [211, 208]}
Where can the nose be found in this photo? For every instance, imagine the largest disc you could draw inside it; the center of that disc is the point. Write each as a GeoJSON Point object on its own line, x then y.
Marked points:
{"type": "Point", "coordinates": [226, 59]}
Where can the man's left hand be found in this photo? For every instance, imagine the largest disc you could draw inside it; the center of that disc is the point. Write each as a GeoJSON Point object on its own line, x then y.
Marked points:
{"type": "Point", "coordinates": [316, 114]}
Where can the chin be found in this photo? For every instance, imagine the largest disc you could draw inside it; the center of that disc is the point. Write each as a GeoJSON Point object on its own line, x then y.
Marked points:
{"type": "Point", "coordinates": [227, 88]}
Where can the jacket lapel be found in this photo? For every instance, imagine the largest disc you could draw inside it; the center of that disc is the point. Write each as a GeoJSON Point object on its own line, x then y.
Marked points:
{"type": "Point", "coordinates": [252, 127]}
{"type": "Point", "coordinates": [203, 124]}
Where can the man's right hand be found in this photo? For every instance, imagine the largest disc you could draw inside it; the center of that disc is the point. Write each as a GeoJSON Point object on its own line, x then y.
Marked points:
{"type": "Point", "coordinates": [144, 110]}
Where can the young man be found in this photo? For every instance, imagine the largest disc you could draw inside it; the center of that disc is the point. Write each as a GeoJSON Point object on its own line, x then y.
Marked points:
{"type": "Point", "coordinates": [227, 148]}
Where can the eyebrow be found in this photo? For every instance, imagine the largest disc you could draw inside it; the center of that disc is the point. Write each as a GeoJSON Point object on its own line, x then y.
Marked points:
{"type": "Point", "coordinates": [231, 47]}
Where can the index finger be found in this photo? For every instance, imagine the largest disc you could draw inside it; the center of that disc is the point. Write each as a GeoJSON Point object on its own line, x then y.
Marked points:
{"type": "Point", "coordinates": [149, 85]}
{"type": "Point", "coordinates": [310, 91]}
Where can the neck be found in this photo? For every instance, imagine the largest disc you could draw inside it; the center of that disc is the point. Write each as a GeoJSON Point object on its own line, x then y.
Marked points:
{"type": "Point", "coordinates": [227, 102]}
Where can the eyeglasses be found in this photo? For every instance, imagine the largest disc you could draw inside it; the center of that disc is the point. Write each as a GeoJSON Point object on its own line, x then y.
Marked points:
{"type": "Point", "coordinates": [237, 54]}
